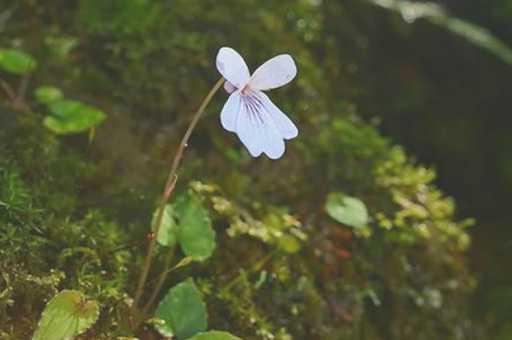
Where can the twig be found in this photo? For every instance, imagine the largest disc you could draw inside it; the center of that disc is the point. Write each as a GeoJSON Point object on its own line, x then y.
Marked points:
{"type": "Point", "coordinates": [19, 99]}
{"type": "Point", "coordinates": [169, 187]}
{"type": "Point", "coordinates": [8, 90]}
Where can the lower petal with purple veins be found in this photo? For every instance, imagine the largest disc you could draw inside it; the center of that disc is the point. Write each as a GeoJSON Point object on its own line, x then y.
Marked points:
{"type": "Point", "coordinates": [256, 129]}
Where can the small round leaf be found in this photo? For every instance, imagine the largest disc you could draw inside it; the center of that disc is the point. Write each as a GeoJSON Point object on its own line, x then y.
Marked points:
{"type": "Point", "coordinates": [347, 210]}
{"type": "Point", "coordinates": [47, 94]}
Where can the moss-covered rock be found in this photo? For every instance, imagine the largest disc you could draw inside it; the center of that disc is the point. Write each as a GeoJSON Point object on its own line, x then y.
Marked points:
{"type": "Point", "coordinates": [75, 211]}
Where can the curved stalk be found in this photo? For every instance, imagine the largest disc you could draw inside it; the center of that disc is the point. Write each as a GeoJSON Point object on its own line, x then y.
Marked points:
{"type": "Point", "coordinates": [168, 189]}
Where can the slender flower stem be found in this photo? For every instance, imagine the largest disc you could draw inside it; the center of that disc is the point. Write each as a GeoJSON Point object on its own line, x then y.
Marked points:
{"type": "Point", "coordinates": [169, 187]}
{"type": "Point", "coordinates": [161, 280]}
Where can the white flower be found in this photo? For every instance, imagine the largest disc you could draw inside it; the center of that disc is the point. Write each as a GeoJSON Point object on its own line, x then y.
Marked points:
{"type": "Point", "coordinates": [261, 126]}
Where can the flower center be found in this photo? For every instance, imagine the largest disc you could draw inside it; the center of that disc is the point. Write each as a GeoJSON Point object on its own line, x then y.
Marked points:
{"type": "Point", "coordinates": [246, 90]}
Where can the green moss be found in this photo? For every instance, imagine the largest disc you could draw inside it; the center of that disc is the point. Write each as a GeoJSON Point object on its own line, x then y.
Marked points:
{"type": "Point", "coordinates": [74, 214]}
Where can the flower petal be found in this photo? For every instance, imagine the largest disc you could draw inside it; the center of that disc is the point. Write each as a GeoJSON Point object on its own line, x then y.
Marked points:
{"type": "Point", "coordinates": [257, 131]}
{"type": "Point", "coordinates": [275, 72]}
{"type": "Point", "coordinates": [284, 125]}
{"type": "Point", "coordinates": [248, 132]}
{"type": "Point", "coordinates": [273, 143]}
{"type": "Point", "coordinates": [229, 87]}
{"type": "Point", "coordinates": [232, 67]}
{"type": "Point", "coordinates": [230, 112]}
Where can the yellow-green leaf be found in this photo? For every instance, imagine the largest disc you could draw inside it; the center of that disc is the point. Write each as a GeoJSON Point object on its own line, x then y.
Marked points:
{"type": "Point", "coordinates": [16, 61]}
{"type": "Point", "coordinates": [71, 116]}
{"type": "Point", "coordinates": [66, 315]}
{"type": "Point", "coordinates": [167, 234]}
{"type": "Point", "coordinates": [48, 94]}
{"type": "Point", "coordinates": [348, 210]}
{"type": "Point", "coordinates": [214, 335]}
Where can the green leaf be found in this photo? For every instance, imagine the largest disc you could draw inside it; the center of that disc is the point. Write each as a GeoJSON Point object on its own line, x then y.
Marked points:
{"type": "Point", "coordinates": [195, 233]}
{"type": "Point", "coordinates": [167, 235]}
{"type": "Point", "coordinates": [47, 94]}
{"type": "Point", "coordinates": [347, 210]}
{"type": "Point", "coordinates": [17, 62]}
{"type": "Point", "coordinates": [214, 335]}
{"type": "Point", "coordinates": [183, 311]}
{"type": "Point", "coordinates": [66, 315]}
{"type": "Point", "coordinates": [61, 46]}
{"type": "Point", "coordinates": [71, 116]}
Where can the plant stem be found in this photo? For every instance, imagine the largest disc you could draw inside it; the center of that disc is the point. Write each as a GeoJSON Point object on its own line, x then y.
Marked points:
{"type": "Point", "coordinates": [161, 280]}
{"type": "Point", "coordinates": [8, 90]}
{"type": "Point", "coordinates": [17, 101]}
{"type": "Point", "coordinates": [169, 187]}
{"type": "Point", "coordinates": [22, 87]}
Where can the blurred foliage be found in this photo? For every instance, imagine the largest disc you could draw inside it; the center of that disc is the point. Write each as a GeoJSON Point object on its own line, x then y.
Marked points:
{"type": "Point", "coordinates": [75, 215]}
{"type": "Point", "coordinates": [71, 116]}
{"type": "Point", "coordinates": [16, 62]}
{"type": "Point", "coordinates": [413, 10]}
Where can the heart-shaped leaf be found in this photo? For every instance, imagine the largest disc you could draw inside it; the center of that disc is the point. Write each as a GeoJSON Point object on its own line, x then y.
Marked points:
{"type": "Point", "coordinates": [182, 311]}
{"type": "Point", "coordinates": [71, 116]}
{"type": "Point", "coordinates": [348, 210]}
{"type": "Point", "coordinates": [17, 62]}
{"type": "Point", "coordinates": [66, 315]}
{"type": "Point", "coordinates": [195, 233]}
{"type": "Point", "coordinates": [214, 335]}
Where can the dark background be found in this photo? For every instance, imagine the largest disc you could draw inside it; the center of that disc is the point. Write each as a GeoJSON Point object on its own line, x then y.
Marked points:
{"type": "Point", "coordinates": [457, 121]}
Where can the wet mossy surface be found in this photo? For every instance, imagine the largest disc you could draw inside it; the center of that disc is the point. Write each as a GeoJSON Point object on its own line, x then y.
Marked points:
{"type": "Point", "coordinates": [75, 211]}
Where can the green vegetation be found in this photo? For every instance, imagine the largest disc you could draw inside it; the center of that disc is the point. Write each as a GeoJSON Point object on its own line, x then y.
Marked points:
{"type": "Point", "coordinates": [182, 311]}
{"type": "Point", "coordinates": [345, 237]}
{"type": "Point", "coordinates": [67, 315]}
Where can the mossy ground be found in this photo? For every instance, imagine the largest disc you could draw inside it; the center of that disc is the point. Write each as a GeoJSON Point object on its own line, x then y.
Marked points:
{"type": "Point", "coordinates": [74, 214]}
